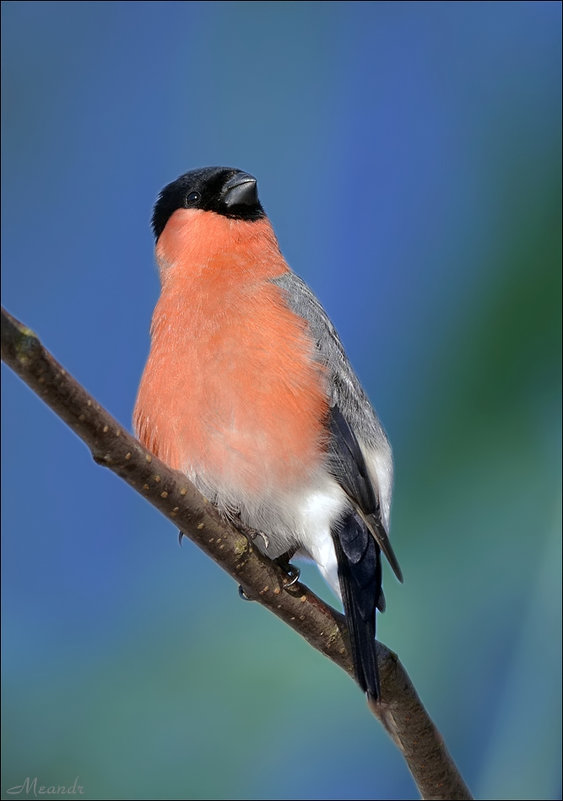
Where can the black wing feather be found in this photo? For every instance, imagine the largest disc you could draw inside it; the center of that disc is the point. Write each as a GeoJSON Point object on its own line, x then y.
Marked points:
{"type": "Point", "coordinates": [359, 573]}
{"type": "Point", "coordinates": [348, 466]}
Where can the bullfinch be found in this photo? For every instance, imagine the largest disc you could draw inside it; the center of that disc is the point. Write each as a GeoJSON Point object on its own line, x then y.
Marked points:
{"type": "Point", "coordinates": [248, 391]}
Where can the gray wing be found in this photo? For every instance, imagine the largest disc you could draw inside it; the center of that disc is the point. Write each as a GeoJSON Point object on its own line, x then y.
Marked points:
{"type": "Point", "coordinates": [355, 428]}
{"type": "Point", "coordinates": [345, 390]}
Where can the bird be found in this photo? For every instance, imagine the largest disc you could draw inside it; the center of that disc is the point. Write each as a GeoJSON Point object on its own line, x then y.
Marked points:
{"type": "Point", "coordinates": [248, 391]}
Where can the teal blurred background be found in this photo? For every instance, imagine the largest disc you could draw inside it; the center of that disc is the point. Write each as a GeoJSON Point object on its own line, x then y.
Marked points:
{"type": "Point", "coordinates": [409, 155]}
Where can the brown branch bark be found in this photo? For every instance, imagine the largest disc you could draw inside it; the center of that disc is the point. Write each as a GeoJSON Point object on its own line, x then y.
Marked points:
{"type": "Point", "coordinates": [401, 711]}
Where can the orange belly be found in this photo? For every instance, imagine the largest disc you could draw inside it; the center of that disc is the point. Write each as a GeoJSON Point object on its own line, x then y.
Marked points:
{"type": "Point", "coordinates": [231, 390]}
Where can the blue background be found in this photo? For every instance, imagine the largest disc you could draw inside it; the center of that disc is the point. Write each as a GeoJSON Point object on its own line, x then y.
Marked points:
{"type": "Point", "coordinates": [408, 155]}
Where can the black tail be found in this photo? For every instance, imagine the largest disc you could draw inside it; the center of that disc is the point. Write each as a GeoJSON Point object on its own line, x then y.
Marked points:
{"type": "Point", "coordinates": [359, 571]}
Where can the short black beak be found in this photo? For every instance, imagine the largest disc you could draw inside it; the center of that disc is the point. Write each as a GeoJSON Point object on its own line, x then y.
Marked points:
{"type": "Point", "coordinates": [240, 190]}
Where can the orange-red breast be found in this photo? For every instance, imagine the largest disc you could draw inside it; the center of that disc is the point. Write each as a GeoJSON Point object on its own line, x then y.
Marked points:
{"type": "Point", "coordinates": [248, 391]}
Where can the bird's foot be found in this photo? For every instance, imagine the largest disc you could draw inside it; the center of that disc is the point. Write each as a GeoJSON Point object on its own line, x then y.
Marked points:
{"type": "Point", "coordinates": [265, 539]}
{"type": "Point", "coordinates": [251, 533]}
{"type": "Point", "coordinates": [293, 574]}
{"type": "Point", "coordinates": [242, 593]}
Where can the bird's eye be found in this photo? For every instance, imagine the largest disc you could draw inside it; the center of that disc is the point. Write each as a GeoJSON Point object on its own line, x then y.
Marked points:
{"type": "Point", "coordinates": [193, 197]}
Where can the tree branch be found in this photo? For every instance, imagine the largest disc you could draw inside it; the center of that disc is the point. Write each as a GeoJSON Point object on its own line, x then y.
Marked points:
{"type": "Point", "coordinates": [401, 712]}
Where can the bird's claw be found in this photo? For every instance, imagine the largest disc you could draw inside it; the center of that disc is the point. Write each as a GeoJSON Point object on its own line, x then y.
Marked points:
{"type": "Point", "coordinates": [264, 538]}
{"type": "Point", "coordinates": [242, 593]}
{"type": "Point", "coordinates": [293, 573]}
{"type": "Point", "coordinates": [253, 534]}
{"type": "Point", "coordinates": [181, 535]}
{"type": "Point", "coordinates": [250, 533]}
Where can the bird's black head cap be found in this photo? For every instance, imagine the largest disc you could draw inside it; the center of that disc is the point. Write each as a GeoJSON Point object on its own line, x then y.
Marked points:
{"type": "Point", "coordinates": [224, 190]}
